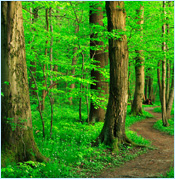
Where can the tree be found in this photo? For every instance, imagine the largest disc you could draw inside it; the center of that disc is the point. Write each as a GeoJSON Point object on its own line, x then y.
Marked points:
{"type": "Point", "coordinates": [97, 113]}
{"type": "Point", "coordinates": [139, 71]}
{"type": "Point", "coordinates": [113, 132]}
{"type": "Point", "coordinates": [33, 63]}
{"type": "Point", "coordinates": [17, 134]}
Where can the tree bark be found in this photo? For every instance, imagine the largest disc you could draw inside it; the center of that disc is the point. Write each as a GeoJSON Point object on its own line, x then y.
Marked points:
{"type": "Point", "coordinates": [159, 81]}
{"type": "Point", "coordinates": [18, 143]}
{"type": "Point", "coordinates": [146, 85]}
{"type": "Point", "coordinates": [139, 71]}
{"type": "Point", "coordinates": [113, 132]}
{"type": "Point", "coordinates": [97, 114]}
{"type": "Point", "coordinates": [171, 98]}
{"type": "Point", "coordinates": [164, 117]}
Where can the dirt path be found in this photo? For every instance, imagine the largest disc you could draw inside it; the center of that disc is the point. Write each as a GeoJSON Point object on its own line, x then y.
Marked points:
{"type": "Point", "coordinates": [151, 164]}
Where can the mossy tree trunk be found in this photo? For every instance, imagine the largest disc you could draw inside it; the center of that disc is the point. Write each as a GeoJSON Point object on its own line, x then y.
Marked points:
{"type": "Point", "coordinates": [17, 134]}
{"type": "Point", "coordinates": [96, 17]}
{"type": "Point", "coordinates": [113, 132]}
{"type": "Point", "coordinates": [139, 72]}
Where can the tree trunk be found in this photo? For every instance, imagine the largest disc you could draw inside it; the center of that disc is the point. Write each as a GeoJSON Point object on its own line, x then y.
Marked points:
{"type": "Point", "coordinates": [146, 85]}
{"type": "Point", "coordinates": [159, 81]}
{"type": "Point", "coordinates": [151, 95]}
{"type": "Point", "coordinates": [97, 114]}
{"type": "Point", "coordinates": [129, 91]}
{"type": "Point", "coordinates": [164, 117]}
{"type": "Point", "coordinates": [33, 63]}
{"type": "Point", "coordinates": [113, 132]}
{"type": "Point", "coordinates": [171, 98]}
{"type": "Point", "coordinates": [74, 62]}
{"type": "Point", "coordinates": [44, 66]}
{"type": "Point", "coordinates": [18, 143]}
{"type": "Point", "coordinates": [139, 71]}
{"type": "Point", "coordinates": [51, 48]}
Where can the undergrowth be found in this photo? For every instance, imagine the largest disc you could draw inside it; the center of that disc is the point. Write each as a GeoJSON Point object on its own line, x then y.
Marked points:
{"type": "Point", "coordinates": [169, 174]}
{"type": "Point", "coordinates": [170, 129]}
{"type": "Point", "coordinates": [69, 149]}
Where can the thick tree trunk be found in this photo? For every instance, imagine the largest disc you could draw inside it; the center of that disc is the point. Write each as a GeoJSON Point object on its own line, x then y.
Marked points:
{"type": "Point", "coordinates": [97, 114]}
{"type": "Point", "coordinates": [17, 134]}
{"type": "Point", "coordinates": [139, 72]}
{"type": "Point", "coordinates": [113, 132]}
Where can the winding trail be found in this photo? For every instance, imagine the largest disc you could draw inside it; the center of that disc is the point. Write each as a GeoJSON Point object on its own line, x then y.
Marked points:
{"type": "Point", "coordinates": [154, 162]}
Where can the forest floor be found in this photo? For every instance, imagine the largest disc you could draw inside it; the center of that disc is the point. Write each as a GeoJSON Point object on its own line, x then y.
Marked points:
{"type": "Point", "coordinates": [154, 162]}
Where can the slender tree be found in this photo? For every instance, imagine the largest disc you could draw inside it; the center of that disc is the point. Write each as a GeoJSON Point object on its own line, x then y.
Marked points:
{"type": "Point", "coordinates": [44, 65]}
{"type": "Point", "coordinates": [17, 134]}
{"type": "Point", "coordinates": [33, 63]}
{"type": "Point", "coordinates": [139, 71]}
{"type": "Point", "coordinates": [163, 104]}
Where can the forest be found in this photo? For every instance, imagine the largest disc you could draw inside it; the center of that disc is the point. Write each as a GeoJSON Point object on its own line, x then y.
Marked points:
{"type": "Point", "coordinates": [87, 89]}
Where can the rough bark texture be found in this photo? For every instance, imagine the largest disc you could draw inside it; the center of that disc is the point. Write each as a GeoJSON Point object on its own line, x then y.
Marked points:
{"type": "Point", "coordinates": [97, 114]}
{"type": "Point", "coordinates": [17, 135]}
{"type": "Point", "coordinates": [113, 132]}
{"type": "Point", "coordinates": [139, 72]}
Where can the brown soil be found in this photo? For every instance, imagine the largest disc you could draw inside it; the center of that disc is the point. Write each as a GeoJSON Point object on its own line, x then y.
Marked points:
{"type": "Point", "coordinates": [154, 162]}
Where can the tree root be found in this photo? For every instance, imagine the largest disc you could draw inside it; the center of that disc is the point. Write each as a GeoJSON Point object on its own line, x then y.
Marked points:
{"type": "Point", "coordinates": [128, 142]}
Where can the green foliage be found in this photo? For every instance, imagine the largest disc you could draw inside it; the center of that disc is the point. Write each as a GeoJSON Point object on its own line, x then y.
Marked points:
{"type": "Point", "coordinates": [69, 150]}
{"type": "Point", "coordinates": [170, 129]}
{"type": "Point", "coordinates": [27, 169]}
{"type": "Point", "coordinates": [169, 174]}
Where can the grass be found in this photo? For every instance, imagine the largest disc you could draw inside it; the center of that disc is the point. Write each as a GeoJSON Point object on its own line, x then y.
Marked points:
{"type": "Point", "coordinates": [170, 129]}
{"type": "Point", "coordinates": [70, 151]}
{"type": "Point", "coordinates": [159, 125]}
{"type": "Point", "coordinates": [169, 174]}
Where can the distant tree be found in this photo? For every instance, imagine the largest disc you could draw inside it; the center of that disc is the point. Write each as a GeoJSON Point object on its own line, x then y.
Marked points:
{"type": "Point", "coordinates": [113, 132]}
{"type": "Point", "coordinates": [33, 63]}
{"type": "Point", "coordinates": [97, 53]}
{"type": "Point", "coordinates": [139, 71]}
{"type": "Point", "coordinates": [18, 143]}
